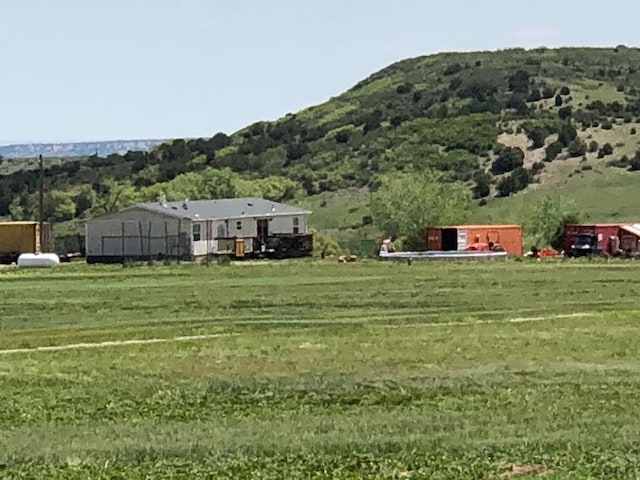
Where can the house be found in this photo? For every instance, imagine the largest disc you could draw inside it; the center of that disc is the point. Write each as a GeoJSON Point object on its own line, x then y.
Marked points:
{"type": "Point", "coordinates": [192, 230]}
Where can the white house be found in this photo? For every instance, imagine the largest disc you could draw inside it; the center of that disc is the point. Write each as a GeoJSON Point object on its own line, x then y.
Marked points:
{"type": "Point", "coordinates": [193, 229]}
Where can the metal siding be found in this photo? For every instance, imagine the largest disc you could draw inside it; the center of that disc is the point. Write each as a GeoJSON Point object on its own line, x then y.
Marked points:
{"type": "Point", "coordinates": [462, 238]}
{"type": "Point", "coordinates": [434, 238]}
{"type": "Point", "coordinates": [508, 236]}
{"type": "Point", "coordinates": [104, 235]}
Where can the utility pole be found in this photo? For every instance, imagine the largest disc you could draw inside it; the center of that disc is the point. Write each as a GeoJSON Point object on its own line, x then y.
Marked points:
{"type": "Point", "coordinates": [41, 213]}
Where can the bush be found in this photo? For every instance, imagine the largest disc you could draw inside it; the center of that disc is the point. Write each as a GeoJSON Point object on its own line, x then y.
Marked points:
{"type": "Point", "coordinates": [508, 159]}
{"type": "Point", "coordinates": [622, 162]}
{"type": "Point", "coordinates": [537, 167]}
{"type": "Point", "coordinates": [325, 245]}
{"type": "Point", "coordinates": [565, 90]}
{"type": "Point", "coordinates": [482, 188]}
{"type": "Point", "coordinates": [403, 88]}
{"type": "Point", "coordinates": [452, 69]}
{"type": "Point", "coordinates": [576, 148]}
{"type": "Point", "coordinates": [516, 181]}
{"type": "Point", "coordinates": [342, 136]}
{"type": "Point", "coordinates": [605, 150]}
{"type": "Point", "coordinates": [564, 113]}
{"type": "Point", "coordinates": [632, 131]}
{"type": "Point", "coordinates": [552, 151]}
{"type": "Point", "coordinates": [593, 146]}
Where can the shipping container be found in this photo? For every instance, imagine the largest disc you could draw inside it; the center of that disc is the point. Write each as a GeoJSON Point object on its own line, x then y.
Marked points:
{"type": "Point", "coordinates": [600, 234]}
{"type": "Point", "coordinates": [462, 237]}
{"type": "Point", "coordinates": [23, 237]}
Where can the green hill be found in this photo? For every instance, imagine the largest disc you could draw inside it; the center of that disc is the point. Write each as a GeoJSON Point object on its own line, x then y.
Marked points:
{"type": "Point", "coordinates": [512, 124]}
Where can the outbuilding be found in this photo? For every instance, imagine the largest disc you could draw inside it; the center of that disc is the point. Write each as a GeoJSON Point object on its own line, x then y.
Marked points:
{"type": "Point", "coordinates": [601, 238]}
{"type": "Point", "coordinates": [196, 229]}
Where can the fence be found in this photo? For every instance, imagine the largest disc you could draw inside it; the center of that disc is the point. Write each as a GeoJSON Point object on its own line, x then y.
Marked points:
{"type": "Point", "coordinates": [136, 240]}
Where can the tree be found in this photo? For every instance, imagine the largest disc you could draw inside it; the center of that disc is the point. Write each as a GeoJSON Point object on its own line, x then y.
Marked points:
{"type": "Point", "coordinates": [519, 82]}
{"type": "Point", "coordinates": [537, 136]}
{"type": "Point", "coordinates": [576, 148]}
{"type": "Point", "coordinates": [514, 182]}
{"type": "Point", "coordinates": [549, 217]}
{"type": "Point", "coordinates": [567, 134]}
{"type": "Point", "coordinates": [404, 204]}
{"type": "Point", "coordinates": [552, 151]}
{"type": "Point", "coordinates": [508, 159]}
{"type": "Point", "coordinates": [112, 197]}
{"type": "Point", "coordinates": [558, 101]}
{"type": "Point", "coordinates": [565, 112]}
{"type": "Point", "coordinates": [482, 188]}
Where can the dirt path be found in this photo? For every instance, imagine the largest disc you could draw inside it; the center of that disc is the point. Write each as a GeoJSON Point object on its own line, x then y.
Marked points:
{"type": "Point", "coordinates": [113, 343]}
{"type": "Point", "coordinates": [489, 322]}
{"type": "Point", "coordinates": [187, 338]}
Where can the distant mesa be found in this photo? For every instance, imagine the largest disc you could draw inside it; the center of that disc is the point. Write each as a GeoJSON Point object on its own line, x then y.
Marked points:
{"type": "Point", "coordinates": [77, 149]}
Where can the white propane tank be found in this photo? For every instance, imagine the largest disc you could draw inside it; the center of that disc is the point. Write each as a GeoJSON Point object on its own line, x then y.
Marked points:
{"type": "Point", "coordinates": [38, 260]}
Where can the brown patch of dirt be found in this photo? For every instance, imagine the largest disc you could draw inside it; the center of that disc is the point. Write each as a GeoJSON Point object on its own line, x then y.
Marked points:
{"type": "Point", "coordinates": [515, 470]}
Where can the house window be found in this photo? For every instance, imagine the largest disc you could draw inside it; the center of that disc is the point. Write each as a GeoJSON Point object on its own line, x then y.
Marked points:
{"type": "Point", "coordinates": [296, 225]}
{"type": "Point", "coordinates": [196, 232]}
{"type": "Point", "coordinates": [239, 225]}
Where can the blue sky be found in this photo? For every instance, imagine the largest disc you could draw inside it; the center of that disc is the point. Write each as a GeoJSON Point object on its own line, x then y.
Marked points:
{"type": "Point", "coordinates": [83, 70]}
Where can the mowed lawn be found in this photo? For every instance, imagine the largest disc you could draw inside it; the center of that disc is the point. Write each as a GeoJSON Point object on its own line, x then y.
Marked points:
{"type": "Point", "coordinates": [314, 369]}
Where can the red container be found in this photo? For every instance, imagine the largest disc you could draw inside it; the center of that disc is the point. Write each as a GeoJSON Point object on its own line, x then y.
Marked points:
{"type": "Point", "coordinates": [602, 231]}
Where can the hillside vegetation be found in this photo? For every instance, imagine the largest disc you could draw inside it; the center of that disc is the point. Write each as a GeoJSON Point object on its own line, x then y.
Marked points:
{"type": "Point", "coordinates": [530, 121]}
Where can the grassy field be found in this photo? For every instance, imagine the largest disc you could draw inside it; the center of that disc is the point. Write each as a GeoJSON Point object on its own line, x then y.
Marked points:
{"type": "Point", "coordinates": [310, 369]}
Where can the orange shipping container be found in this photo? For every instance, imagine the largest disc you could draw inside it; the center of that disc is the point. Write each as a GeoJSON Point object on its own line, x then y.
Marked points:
{"type": "Point", "coordinates": [459, 237]}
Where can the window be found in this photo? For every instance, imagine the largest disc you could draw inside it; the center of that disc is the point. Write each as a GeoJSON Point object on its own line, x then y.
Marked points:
{"type": "Point", "coordinates": [296, 225]}
{"type": "Point", "coordinates": [196, 232]}
{"type": "Point", "coordinates": [239, 225]}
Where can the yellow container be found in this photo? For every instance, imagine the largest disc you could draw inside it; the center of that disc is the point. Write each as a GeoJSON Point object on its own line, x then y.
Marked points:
{"type": "Point", "coordinates": [24, 237]}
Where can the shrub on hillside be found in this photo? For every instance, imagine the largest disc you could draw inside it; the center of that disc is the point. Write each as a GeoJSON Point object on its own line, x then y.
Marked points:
{"type": "Point", "coordinates": [508, 159]}
{"type": "Point", "coordinates": [342, 136]}
{"type": "Point", "coordinates": [482, 188]}
{"type": "Point", "coordinates": [552, 151]}
{"type": "Point", "coordinates": [605, 150]}
{"type": "Point", "coordinates": [518, 180]}
{"type": "Point", "coordinates": [576, 148]}
{"type": "Point", "coordinates": [564, 113]}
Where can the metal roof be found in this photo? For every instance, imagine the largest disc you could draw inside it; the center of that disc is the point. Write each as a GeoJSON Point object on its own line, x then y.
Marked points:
{"type": "Point", "coordinates": [21, 222]}
{"type": "Point", "coordinates": [633, 229]}
{"type": "Point", "coordinates": [222, 208]}
{"type": "Point", "coordinates": [477, 226]}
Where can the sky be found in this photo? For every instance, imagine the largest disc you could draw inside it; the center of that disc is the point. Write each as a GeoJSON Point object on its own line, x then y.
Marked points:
{"type": "Point", "coordinates": [90, 70]}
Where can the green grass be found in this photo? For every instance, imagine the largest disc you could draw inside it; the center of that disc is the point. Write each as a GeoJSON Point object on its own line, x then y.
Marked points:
{"type": "Point", "coordinates": [322, 370]}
